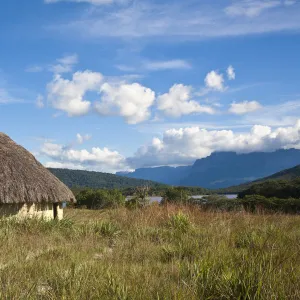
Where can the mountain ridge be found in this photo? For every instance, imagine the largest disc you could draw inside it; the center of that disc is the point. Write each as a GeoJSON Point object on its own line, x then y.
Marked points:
{"type": "Point", "coordinates": [223, 169]}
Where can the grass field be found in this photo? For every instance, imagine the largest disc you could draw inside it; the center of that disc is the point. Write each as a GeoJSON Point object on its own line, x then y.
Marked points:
{"type": "Point", "coordinates": [154, 253]}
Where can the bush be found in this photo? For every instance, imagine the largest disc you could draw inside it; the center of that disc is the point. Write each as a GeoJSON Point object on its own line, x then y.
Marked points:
{"type": "Point", "coordinates": [99, 199]}
{"type": "Point", "coordinates": [107, 229]}
{"type": "Point", "coordinates": [176, 195]}
{"type": "Point", "coordinates": [140, 198]}
{"type": "Point", "coordinates": [180, 222]}
{"type": "Point", "coordinates": [255, 203]}
{"type": "Point", "coordinates": [219, 203]}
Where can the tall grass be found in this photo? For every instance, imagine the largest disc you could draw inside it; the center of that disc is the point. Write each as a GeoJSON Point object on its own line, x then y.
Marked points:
{"type": "Point", "coordinates": [153, 253]}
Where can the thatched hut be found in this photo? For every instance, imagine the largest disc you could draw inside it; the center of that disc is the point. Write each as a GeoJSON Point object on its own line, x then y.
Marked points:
{"type": "Point", "coordinates": [27, 188]}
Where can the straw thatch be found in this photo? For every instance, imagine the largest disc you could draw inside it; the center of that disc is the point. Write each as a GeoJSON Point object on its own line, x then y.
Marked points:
{"type": "Point", "coordinates": [24, 180]}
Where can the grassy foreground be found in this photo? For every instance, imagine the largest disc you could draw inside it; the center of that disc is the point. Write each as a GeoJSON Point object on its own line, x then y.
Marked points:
{"type": "Point", "coordinates": [154, 253]}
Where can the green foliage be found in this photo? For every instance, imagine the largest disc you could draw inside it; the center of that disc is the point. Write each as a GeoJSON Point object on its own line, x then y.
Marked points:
{"type": "Point", "coordinates": [249, 239]}
{"type": "Point", "coordinates": [140, 198]}
{"type": "Point", "coordinates": [285, 175]}
{"type": "Point", "coordinates": [218, 203]}
{"type": "Point", "coordinates": [178, 252]}
{"type": "Point", "coordinates": [256, 203]}
{"type": "Point", "coordinates": [99, 199]}
{"type": "Point", "coordinates": [162, 189]}
{"type": "Point", "coordinates": [107, 229]}
{"type": "Point", "coordinates": [250, 203]}
{"type": "Point", "coordinates": [275, 188]}
{"type": "Point", "coordinates": [177, 195]}
{"type": "Point", "coordinates": [179, 222]}
{"type": "Point", "coordinates": [78, 179]}
{"type": "Point", "coordinates": [273, 196]}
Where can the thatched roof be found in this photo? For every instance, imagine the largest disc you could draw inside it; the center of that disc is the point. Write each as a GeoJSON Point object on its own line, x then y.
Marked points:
{"type": "Point", "coordinates": [24, 180]}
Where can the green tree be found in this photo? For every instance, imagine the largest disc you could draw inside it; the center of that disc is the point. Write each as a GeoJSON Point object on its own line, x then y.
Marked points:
{"type": "Point", "coordinates": [99, 199]}
{"type": "Point", "coordinates": [140, 198]}
{"type": "Point", "coordinates": [176, 195]}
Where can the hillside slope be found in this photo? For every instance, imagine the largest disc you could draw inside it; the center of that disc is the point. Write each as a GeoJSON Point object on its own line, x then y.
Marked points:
{"type": "Point", "coordinates": [78, 178]}
{"type": "Point", "coordinates": [288, 174]}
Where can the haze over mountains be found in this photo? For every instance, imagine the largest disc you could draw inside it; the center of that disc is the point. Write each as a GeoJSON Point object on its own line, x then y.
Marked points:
{"type": "Point", "coordinates": [222, 169]}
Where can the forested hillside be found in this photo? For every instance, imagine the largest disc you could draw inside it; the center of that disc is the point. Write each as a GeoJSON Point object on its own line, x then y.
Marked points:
{"type": "Point", "coordinates": [283, 189]}
{"type": "Point", "coordinates": [288, 175]}
{"type": "Point", "coordinates": [98, 180]}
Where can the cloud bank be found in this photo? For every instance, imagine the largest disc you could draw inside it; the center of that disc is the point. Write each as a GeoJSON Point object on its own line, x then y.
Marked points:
{"type": "Point", "coordinates": [185, 145]}
{"type": "Point", "coordinates": [176, 147]}
{"type": "Point", "coordinates": [98, 159]}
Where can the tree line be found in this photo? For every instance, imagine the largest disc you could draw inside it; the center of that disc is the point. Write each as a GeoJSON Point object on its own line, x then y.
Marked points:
{"type": "Point", "coordinates": [271, 196]}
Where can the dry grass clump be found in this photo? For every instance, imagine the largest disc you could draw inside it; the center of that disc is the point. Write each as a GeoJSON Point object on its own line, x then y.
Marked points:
{"type": "Point", "coordinates": [152, 253]}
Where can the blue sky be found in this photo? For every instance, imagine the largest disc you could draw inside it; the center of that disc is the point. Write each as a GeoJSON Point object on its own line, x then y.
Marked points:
{"type": "Point", "coordinates": [114, 85]}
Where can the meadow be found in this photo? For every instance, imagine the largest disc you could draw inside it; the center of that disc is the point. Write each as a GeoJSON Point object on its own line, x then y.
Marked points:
{"type": "Point", "coordinates": [158, 252]}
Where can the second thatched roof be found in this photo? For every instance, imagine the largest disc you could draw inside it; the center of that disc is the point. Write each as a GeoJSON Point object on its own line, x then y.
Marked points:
{"type": "Point", "coordinates": [24, 180]}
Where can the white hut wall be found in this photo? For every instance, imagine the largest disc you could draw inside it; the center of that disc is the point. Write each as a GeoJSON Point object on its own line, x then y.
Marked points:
{"type": "Point", "coordinates": [30, 210]}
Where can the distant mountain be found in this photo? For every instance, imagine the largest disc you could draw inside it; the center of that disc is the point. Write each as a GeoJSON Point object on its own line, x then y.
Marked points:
{"type": "Point", "coordinates": [166, 175]}
{"type": "Point", "coordinates": [77, 178]}
{"type": "Point", "coordinates": [223, 169]}
{"type": "Point", "coordinates": [288, 174]}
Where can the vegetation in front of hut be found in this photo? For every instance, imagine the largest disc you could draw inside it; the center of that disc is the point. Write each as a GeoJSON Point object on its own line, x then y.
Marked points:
{"type": "Point", "coordinates": [269, 197]}
{"type": "Point", "coordinates": [156, 252]}
{"type": "Point", "coordinates": [99, 199]}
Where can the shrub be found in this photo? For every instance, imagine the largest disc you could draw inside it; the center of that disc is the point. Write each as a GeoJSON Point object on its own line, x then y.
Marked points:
{"type": "Point", "coordinates": [255, 203]}
{"type": "Point", "coordinates": [140, 198]}
{"type": "Point", "coordinates": [179, 222]}
{"type": "Point", "coordinates": [218, 203]}
{"type": "Point", "coordinates": [107, 229]}
{"type": "Point", "coordinates": [99, 199]}
{"type": "Point", "coordinates": [176, 195]}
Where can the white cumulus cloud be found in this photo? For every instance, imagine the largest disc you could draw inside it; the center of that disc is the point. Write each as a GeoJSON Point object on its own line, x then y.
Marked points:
{"type": "Point", "coordinates": [214, 81]}
{"type": "Point", "coordinates": [68, 95]}
{"type": "Point", "coordinates": [244, 107]}
{"type": "Point", "coordinates": [178, 102]}
{"type": "Point", "coordinates": [98, 159]}
{"type": "Point", "coordinates": [185, 145]}
{"type": "Point", "coordinates": [131, 101]}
